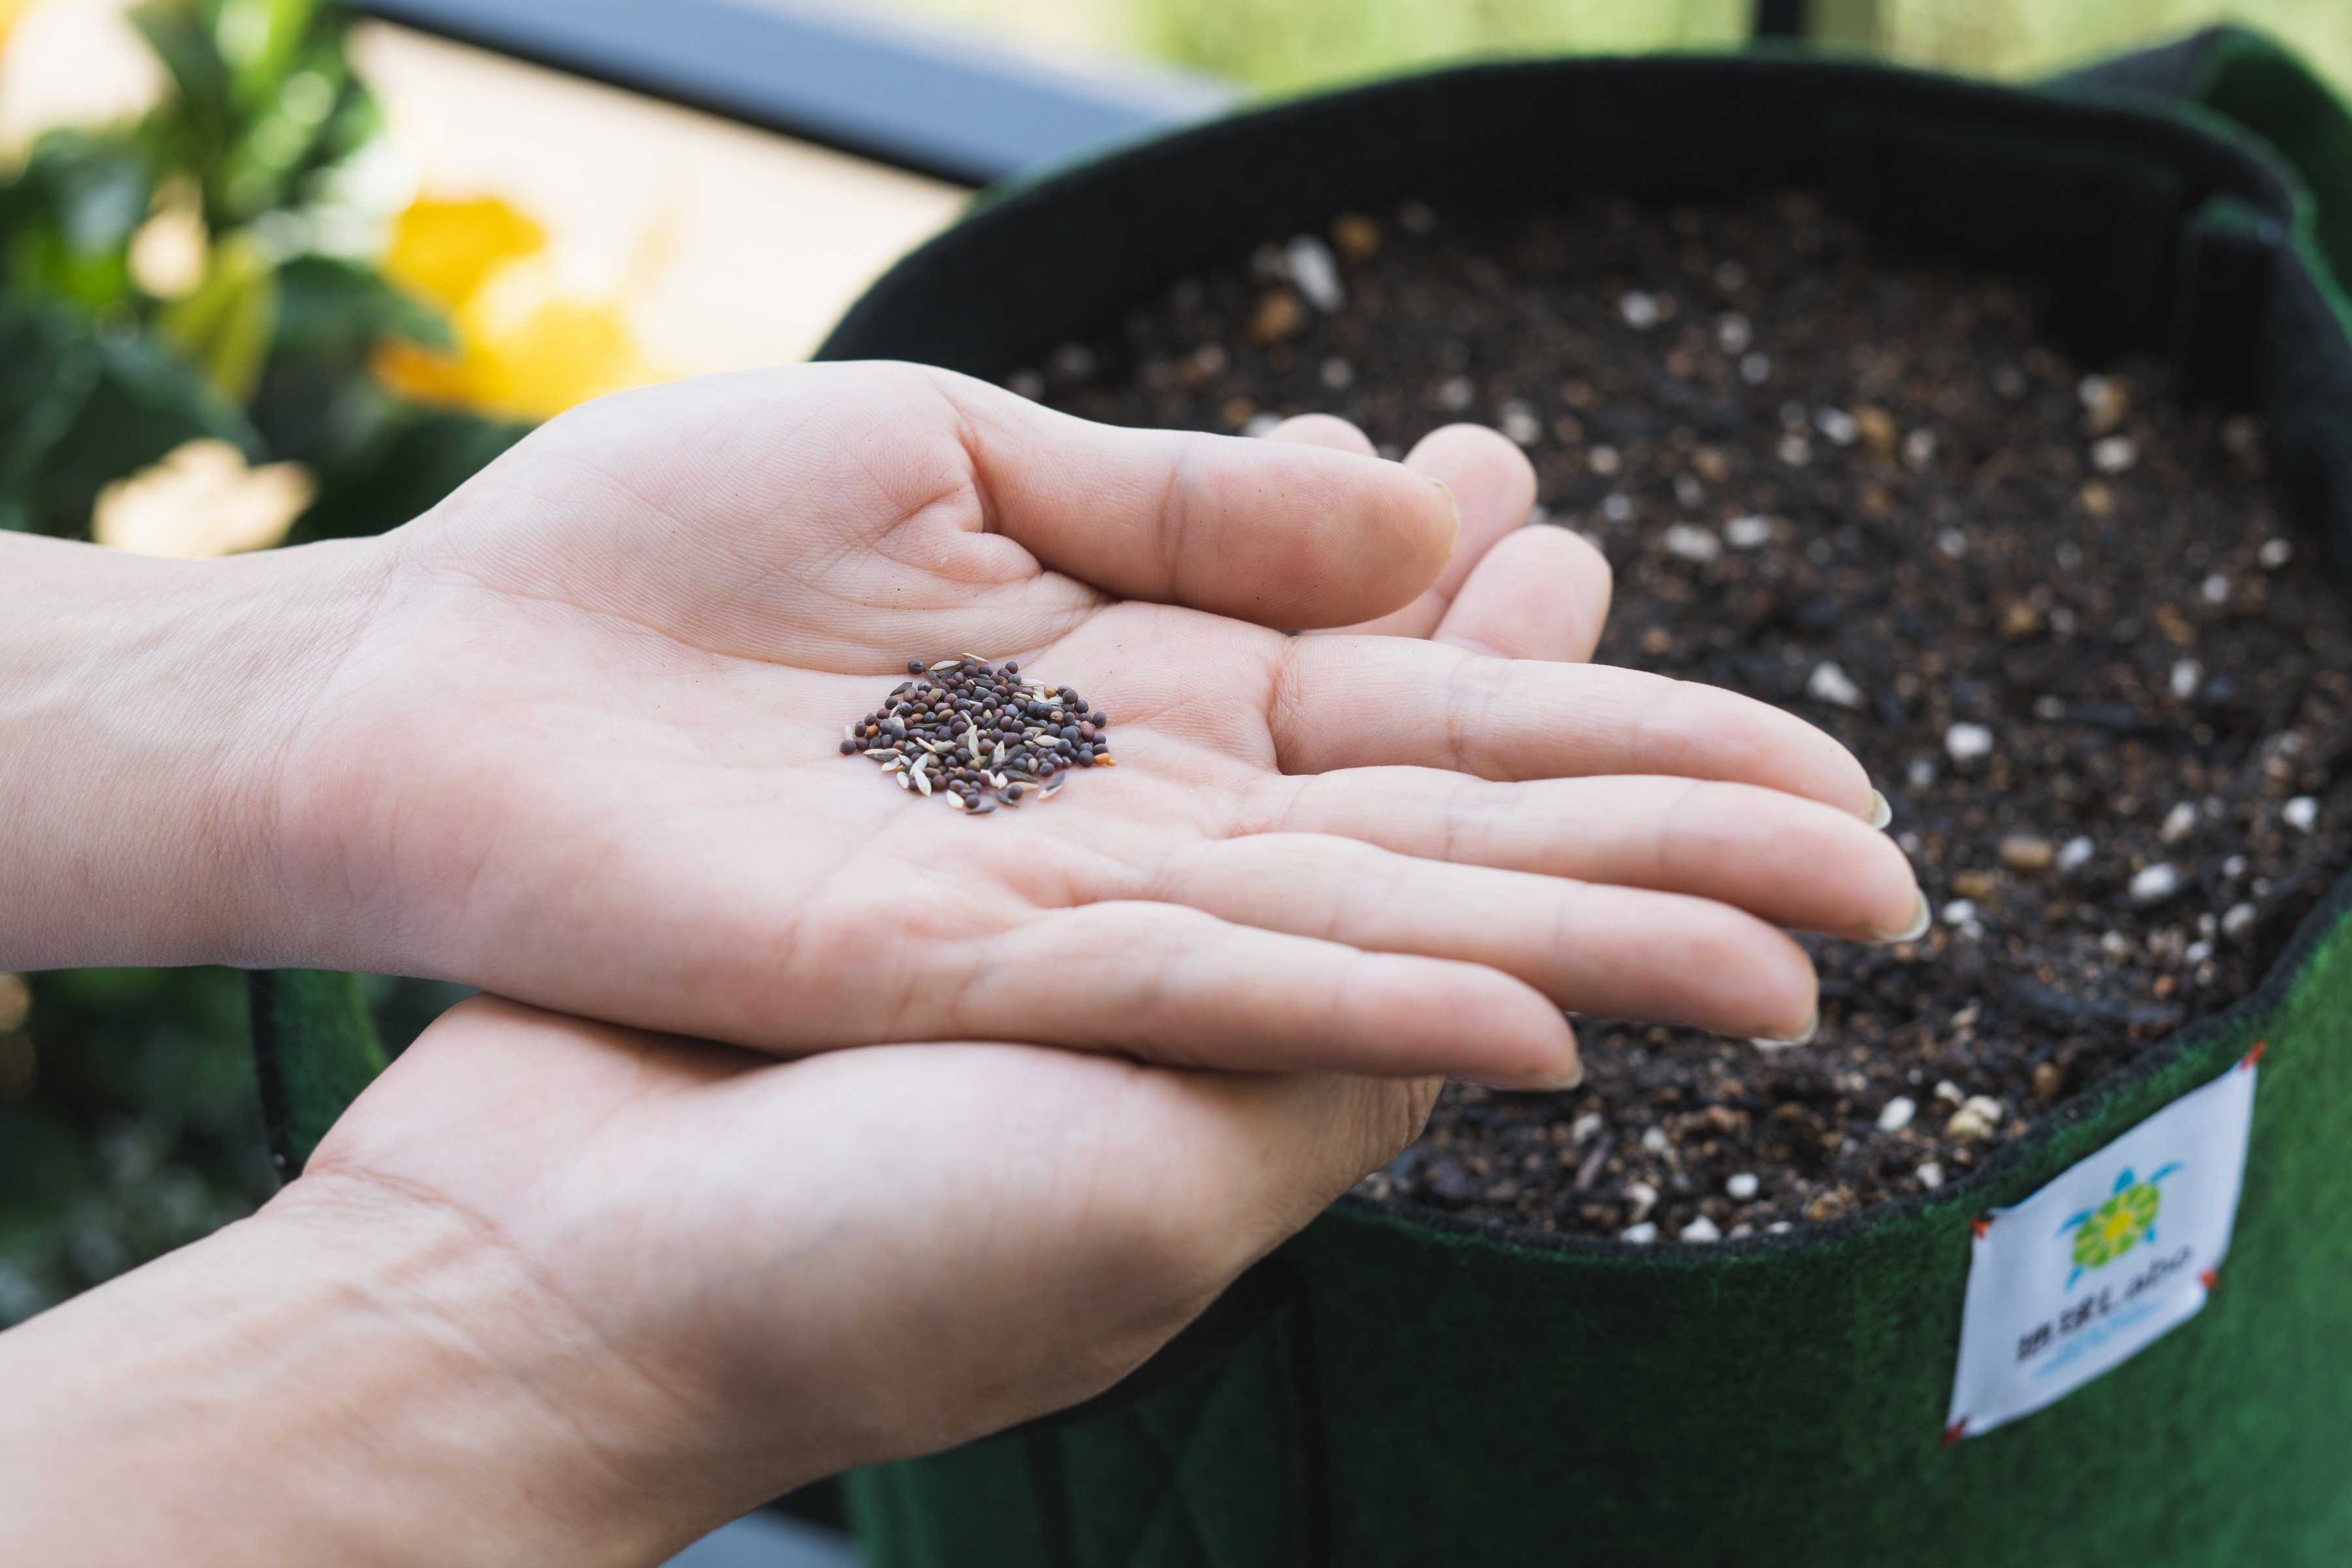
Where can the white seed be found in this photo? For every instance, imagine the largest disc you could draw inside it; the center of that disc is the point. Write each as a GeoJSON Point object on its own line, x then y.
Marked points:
{"type": "Point", "coordinates": [1741, 1187]}
{"type": "Point", "coordinates": [922, 782]}
{"type": "Point", "coordinates": [849, 731]}
{"type": "Point", "coordinates": [2114, 454]}
{"type": "Point", "coordinates": [955, 801]}
{"type": "Point", "coordinates": [947, 664]}
{"type": "Point", "coordinates": [1701, 1230]}
{"type": "Point", "coordinates": [2178, 823]}
{"type": "Point", "coordinates": [1312, 267]}
{"type": "Point", "coordinates": [1968, 743]}
{"type": "Point", "coordinates": [1644, 1197]}
{"type": "Point", "coordinates": [2186, 676]}
{"type": "Point", "coordinates": [1691, 543]}
{"type": "Point", "coordinates": [2274, 553]}
{"type": "Point", "coordinates": [905, 780]}
{"type": "Point", "coordinates": [1640, 1235]}
{"type": "Point", "coordinates": [1639, 310]}
{"type": "Point", "coordinates": [2076, 853]}
{"type": "Point", "coordinates": [1830, 683]}
{"type": "Point", "coordinates": [1748, 533]}
{"type": "Point", "coordinates": [2154, 884]}
{"type": "Point", "coordinates": [1896, 1113]}
{"type": "Point", "coordinates": [996, 757]}
{"type": "Point", "coordinates": [1930, 1176]}
{"type": "Point", "coordinates": [2238, 920]}
{"type": "Point", "coordinates": [2301, 813]}
{"type": "Point", "coordinates": [1841, 428]}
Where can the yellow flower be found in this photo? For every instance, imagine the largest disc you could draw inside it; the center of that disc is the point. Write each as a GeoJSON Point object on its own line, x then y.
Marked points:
{"type": "Point", "coordinates": [532, 339]}
{"type": "Point", "coordinates": [446, 250]}
{"type": "Point", "coordinates": [200, 502]}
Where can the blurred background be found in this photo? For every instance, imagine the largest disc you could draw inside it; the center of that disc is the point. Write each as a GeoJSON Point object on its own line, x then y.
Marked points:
{"type": "Point", "coordinates": [272, 271]}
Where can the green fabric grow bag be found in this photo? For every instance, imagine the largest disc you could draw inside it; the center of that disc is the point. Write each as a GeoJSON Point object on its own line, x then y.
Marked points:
{"type": "Point", "coordinates": [1400, 1388]}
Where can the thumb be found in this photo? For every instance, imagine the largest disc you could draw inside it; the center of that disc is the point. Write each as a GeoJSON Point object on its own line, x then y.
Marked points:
{"type": "Point", "coordinates": [1280, 533]}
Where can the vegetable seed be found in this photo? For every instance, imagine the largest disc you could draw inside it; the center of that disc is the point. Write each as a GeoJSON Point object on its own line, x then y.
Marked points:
{"type": "Point", "coordinates": [978, 736]}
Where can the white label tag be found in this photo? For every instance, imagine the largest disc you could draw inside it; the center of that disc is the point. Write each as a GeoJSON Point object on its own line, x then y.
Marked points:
{"type": "Point", "coordinates": [2121, 1247]}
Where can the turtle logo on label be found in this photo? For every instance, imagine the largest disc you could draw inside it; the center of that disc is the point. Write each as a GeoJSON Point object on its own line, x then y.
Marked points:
{"type": "Point", "coordinates": [2104, 1234]}
{"type": "Point", "coordinates": [2107, 1256]}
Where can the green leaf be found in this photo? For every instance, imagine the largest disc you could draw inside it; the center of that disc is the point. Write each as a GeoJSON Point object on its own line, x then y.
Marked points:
{"type": "Point", "coordinates": [226, 325]}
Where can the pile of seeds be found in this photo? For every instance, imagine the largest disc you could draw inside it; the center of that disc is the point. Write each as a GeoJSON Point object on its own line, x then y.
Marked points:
{"type": "Point", "coordinates": [2051, 606]}
{"type": "Point", "coordinates": [978, 736]}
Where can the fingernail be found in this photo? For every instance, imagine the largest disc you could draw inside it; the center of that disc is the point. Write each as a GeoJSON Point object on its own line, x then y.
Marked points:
{"type": "Point", "coordinates": [1917, 928]}
{"type": "Point", "coordinates": [1803, 1038]}
{"type": "Point", "coordinates": [1453, 503]}
{"type": "Point", "coordinates": [1557, 1083]}
{"type": "Point", "coordinates": [1881, 813]}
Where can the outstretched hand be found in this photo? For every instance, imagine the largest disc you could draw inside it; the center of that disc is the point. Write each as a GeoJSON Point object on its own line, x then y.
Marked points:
{"type": "Point", "coordinates": [583, 750]}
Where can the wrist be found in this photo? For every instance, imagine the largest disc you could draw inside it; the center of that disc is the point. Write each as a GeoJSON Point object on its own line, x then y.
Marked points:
{"type": "Point", "coordinates": [144, 707]}
{"type": "Point", "coordinates": [352, 1376]}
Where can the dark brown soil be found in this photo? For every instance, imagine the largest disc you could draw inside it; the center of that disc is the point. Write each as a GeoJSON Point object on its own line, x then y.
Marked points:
{"type": "Point", "coordinates": [2057, 617]}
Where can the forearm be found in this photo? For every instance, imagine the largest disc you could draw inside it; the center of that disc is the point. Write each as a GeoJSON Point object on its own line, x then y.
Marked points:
{"type": "Point", "coordinates": [357, 1384]}
{"type": "Point", "coordinates": [143, 706]}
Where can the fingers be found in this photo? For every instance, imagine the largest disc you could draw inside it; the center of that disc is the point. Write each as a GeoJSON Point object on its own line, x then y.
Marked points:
{"type": "Point", "coordinates": [1353, 703]}
{"type": "Point", "coordinates": [1540, 592]}
{"type": "Point", "coordinates": [1326, 430]}
{"type": "Point", "coordinates": [1783, 858]}
{"type": "Point", "coordinates": [1623, 953]}
{"type": "Point", "coordinates": [1490, 481]}
{"type": "Point", "coordinates": [1173, 985]}
{"type": "Point", "coordinates": [1284, 533]}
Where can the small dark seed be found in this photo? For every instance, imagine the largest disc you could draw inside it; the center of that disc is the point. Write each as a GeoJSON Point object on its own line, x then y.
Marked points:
{"type": "Point", "coordinates": [848, 747]}
{"type": "Point", "coordinates": [1011, 667]}
{"type": "Point", "coordinates": [914, 666]}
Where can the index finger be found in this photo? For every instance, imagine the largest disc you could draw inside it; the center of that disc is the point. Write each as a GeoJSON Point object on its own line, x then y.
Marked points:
{"type": "Point", "coordinates": [1353, 703]}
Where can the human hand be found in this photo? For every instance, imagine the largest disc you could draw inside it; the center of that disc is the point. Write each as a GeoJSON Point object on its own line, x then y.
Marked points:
{"type": "Point", "coordinates": [553, 1291]}
{"type": "Point", "coordinates": [574, 740]}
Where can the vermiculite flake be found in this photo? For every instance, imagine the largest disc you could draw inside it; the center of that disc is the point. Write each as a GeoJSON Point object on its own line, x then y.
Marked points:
{"type": "Point", "coordinates": [977, 736]}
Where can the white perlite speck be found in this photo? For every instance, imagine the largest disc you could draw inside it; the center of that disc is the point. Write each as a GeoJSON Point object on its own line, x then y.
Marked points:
{"type": "Point", "coordinates": [1654, 1140]}
{"type": "Point", "coordinates": [2186, 676]}
{"type": "Point", "coordinates": [1968, 743]}
{"type": "Point", "coordinates": [1262, 425]}
{"type": "Point", "coordinates": [2114, 454]}
{"type": "Point", "coordinates": [1617, 506]}
{"type": "Point", "coordinates": [2238, 920]}
{"type": "Point", "coordinates": [1520, 425]}
{"type": "Point", "coordinates": [2215, 589]}
{"type": "Point", "coordinates": [2076, 853]}
{"type": "Point", "coordinates": [1457, 394]}
{"type": "Point", "coordinates": [2274, 553]}
{"type": "Point", "coordinates": [1639, 310]}
{"type": "Point", "coordinates": [1701, 1230]}
{"type": "Point", "coordinates": [1688, 542]}
{"type": "Point", "coordinates": [2154, 884]}
{"type": "Point", "coordinates": [1960, 912]}
{"type": "Point", "coordinates": [1749, 532]}
{"type": "Point", "coordinates": [1733, 333]}
{"type": "Point", "coordinates": [1841, 428]}
{"type": "Point", "coordinates": [1640, 1235]}
{"type": "Point", "coordinates": [1740, 1187]}
{"type": "Point", "coordinates": [1930, 1176]}
{"type": "Point", "coordinates": [1755, 369]}
{"type": "Point", "coordinates": [2301, 813]}
{"type": "Point", "coordinates": [1830, 683]}
{"type": "Point", "coordinates": [1643, 1196]}
{"type": "Point", "coordinates": [1311, 265]}
{"type": "Point", "coordinates": [2178, 823]}
{"type": "Point", "coordinates": [1896, 1113]}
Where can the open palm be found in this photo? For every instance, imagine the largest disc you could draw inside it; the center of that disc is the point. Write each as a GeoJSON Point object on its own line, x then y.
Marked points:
{"type": "Point", "coordinates": [583, 752]}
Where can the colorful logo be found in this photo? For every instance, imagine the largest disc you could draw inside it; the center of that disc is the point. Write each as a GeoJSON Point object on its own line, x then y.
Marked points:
{"type": "Point", "coordinates": [2128, 1218]}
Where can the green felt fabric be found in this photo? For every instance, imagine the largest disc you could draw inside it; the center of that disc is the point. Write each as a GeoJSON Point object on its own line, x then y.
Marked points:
{"type": "Point", "coordinates": [1441, 1392]}
{"type": "Point", "coordinates": [314, 1048]}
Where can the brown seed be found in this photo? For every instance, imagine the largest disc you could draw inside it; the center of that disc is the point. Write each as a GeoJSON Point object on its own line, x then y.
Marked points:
{"type": "Point", "coordinates": [2027, 853]}
{"type": "Point", "coordinates": [2049, 1080]}
{"type": "Point", "coordinates": [1975, 885]}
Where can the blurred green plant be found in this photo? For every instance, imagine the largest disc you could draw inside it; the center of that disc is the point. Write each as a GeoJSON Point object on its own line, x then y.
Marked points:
{"type": "Point", "coordinates": [206, 271]}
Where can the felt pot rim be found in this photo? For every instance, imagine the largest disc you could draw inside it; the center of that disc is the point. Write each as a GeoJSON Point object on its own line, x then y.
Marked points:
{"type": "Point", "coordinates": [2069, 109]}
